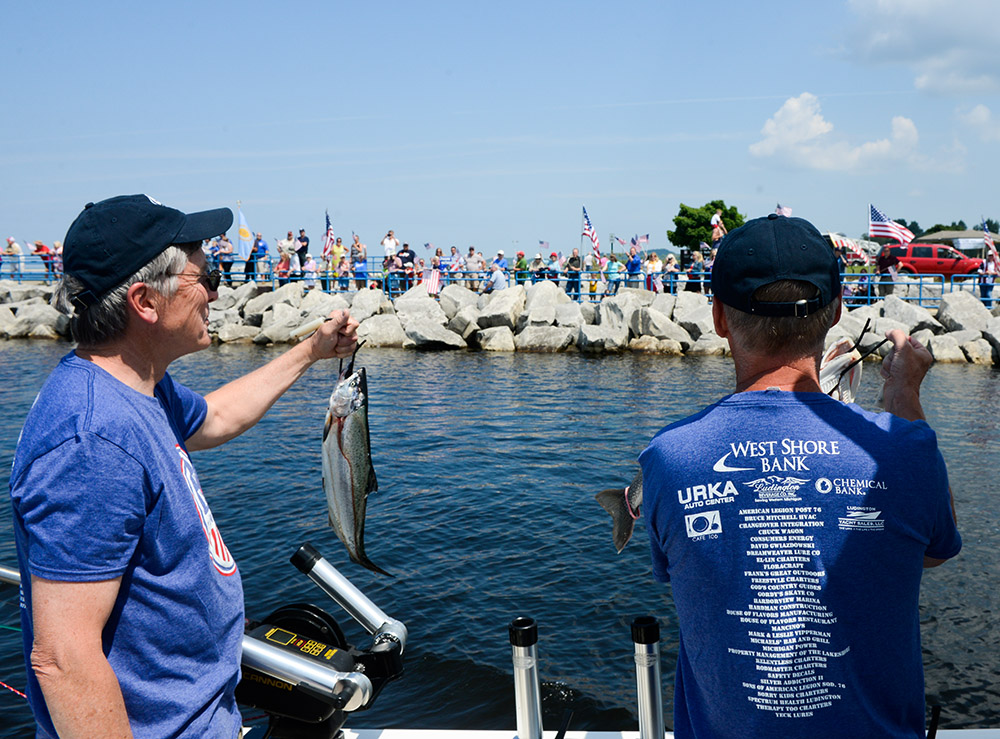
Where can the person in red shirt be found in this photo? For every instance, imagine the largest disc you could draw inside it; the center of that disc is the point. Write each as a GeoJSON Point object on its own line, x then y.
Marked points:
{"type": "Point", "coordinates": [46, 254]}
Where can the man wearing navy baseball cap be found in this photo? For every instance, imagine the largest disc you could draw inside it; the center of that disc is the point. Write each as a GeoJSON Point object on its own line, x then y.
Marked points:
{"type": "Point", "coordinates": [794, 527]}
{"type": "Point", "coordinates": [132, 606]}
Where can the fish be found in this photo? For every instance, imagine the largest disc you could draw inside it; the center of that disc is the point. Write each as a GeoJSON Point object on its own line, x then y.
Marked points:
{"type": "Point", "coordinates": [348, 472]}
{"type": "Point", "coordinates": [625, 506]}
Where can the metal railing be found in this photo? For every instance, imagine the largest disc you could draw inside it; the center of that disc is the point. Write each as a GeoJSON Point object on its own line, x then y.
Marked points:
{"type": "Point", "coordinates": [859, 287]}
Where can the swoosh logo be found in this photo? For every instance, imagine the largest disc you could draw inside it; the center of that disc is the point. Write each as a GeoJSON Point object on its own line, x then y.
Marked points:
{"type": "Point", "coordinates": [721, 466]}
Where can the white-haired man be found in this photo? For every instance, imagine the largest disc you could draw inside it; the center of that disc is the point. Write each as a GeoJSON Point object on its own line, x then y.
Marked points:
{"type": "Point", "coordinates": [132, 606]}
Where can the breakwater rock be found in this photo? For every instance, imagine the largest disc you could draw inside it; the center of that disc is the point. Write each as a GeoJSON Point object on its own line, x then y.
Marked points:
{"type": "Point", "coordinates": [529, 318]}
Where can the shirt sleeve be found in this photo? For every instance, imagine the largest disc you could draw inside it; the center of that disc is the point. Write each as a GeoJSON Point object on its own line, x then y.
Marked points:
{"type": "Point", "coordinates": [82, 526]}
{"type": "Point", "coordinates": [945, 541]}
{"type": "Point", "coordinates": [185, 408]}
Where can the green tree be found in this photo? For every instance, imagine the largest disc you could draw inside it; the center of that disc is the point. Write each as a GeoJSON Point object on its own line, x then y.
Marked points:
{"type": "Point", "coordinates": [693, 225]}
{"type": "Point", "coordinates": [953, 226]}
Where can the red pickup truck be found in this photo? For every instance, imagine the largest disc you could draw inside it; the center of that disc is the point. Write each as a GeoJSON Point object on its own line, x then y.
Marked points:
{"type": "Point", "coordinates": [934, 259]}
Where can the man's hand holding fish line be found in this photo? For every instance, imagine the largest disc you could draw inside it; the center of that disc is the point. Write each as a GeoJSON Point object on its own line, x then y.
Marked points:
{"type": "Point", "coordinates": [238, 405]}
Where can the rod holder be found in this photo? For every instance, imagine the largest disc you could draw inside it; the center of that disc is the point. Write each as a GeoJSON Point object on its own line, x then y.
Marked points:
{"type": "Point", "coordinates": [646, 639]}
{"type": "Point", "coordinates": [312, 564]}
{"type": "Point", "coordinates": [527, 692]}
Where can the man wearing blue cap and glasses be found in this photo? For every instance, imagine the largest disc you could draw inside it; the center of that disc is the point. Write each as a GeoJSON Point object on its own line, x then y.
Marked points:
{"type": "Point", "coordinates": [790, 527]}
{"type": "Point", "coordinates": [132, 606]}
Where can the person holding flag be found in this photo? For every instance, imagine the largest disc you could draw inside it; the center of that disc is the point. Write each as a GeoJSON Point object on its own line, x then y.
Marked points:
{"type": "Point", "coordinates": [989, 268]}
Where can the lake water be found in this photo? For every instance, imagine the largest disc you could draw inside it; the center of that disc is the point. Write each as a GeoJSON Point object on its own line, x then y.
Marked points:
{"type": "Point", "coordinates": [487, 467]}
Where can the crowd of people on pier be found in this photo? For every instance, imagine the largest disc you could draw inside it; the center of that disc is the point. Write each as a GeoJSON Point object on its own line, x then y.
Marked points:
{"type": "Point", "coordinates": [396, 267]}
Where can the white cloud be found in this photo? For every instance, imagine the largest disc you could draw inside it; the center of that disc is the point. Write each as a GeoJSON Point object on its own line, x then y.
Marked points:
{"type": "Point", "coordinates": [981, 120]}
{"type": "Point", "coordinates": [798, 134]}
{"type": "Point", "coordinates": [947, 44]}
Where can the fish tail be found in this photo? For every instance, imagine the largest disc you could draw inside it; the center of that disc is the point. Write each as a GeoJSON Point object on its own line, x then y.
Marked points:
{"type": "Point", "coordinates": [613, 501]}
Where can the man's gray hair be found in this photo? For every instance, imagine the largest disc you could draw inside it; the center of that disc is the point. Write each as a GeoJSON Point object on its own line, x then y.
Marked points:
{"type": "Point", "coordinates": [782, 335]}
{"type": "Point", "coordinates": [106, 320]}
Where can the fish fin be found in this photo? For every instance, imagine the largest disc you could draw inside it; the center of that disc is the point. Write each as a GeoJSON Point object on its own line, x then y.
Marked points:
{"type": "Point", "coordinates": [327, 425]}
{"type": "Point", "coordinates": [622, 524]}
{"type": "Point", "coordinates": [372, 485]}
{"type": "Point", "coordinates": [368, 564]}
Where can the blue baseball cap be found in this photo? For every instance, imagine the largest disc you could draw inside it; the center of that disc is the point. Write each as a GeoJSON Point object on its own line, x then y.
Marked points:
{"type": "Point", "coordinates": [112, 240]}
{"type": "Point", "coordinates": [770, 249]}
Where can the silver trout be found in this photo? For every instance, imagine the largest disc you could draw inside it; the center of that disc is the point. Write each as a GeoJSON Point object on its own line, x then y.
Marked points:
{"type": "Point", "coordinates": [625, 506]}
{"type": "Point", "coordinates": [348, 474]}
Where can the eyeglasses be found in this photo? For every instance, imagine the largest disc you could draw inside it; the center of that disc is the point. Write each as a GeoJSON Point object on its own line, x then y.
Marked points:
{"type": "Point", "coordinates": [210, 280]}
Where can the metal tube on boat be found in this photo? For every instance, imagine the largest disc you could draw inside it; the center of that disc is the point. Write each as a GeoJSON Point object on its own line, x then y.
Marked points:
{"type": "Point", "coordinates": [527, 693]}
{"type": "Point", "coordinates": [9, 576]}
{"type": "Point", "coordinates": [348, 690]}
{"type": "Point", "coordinates": [312, 564]}
{"type": "Point", "coordinates": [646, 638]}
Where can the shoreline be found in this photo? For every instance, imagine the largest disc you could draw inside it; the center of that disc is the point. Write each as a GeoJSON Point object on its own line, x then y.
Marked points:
{"type": "Point", "coordinates": [534, 318]}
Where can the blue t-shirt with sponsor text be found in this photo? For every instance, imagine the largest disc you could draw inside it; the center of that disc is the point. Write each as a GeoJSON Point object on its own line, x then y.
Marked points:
{"type": "Point", "coordinates": [102, 487]}
{"type": "Point", "coordinates": [792, 528]}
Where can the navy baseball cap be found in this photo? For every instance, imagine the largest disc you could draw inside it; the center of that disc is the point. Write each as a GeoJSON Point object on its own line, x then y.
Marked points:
{"type": "Point", "coordinates": [770, 249]}
{"type": "Point", "coordinates": [112, 240]}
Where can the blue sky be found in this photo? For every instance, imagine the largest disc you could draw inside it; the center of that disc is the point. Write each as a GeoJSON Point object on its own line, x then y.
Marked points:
{"type": "Point", "coordinates": [492, 123]}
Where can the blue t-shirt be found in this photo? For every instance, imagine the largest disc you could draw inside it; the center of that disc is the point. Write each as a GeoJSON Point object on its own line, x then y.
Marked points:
{"type": "Point", "coordinates": [102, 487]}
{"type": "Point", "coordinates": [793, 528]}
{"type": "Point", "coordinates": [634, 265]}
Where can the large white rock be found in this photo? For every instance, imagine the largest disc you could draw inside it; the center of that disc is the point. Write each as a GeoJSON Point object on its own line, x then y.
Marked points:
{"type": "Point", "coordinates": [454, 297]}
{"type": "Point", "coordinates": [290, 294]}
{"type": "Point", "coordinates": [959, 311]}
{"type": "Point", "coordinates": [494, 339]}
{"type": "Point", "coordinates": [545, 292]}
{"type": "Point", "coordinates": [420, 308]}
{"type": "Point", "coordinates": [318, 304]}
{"type": "Point", "coordinates": [644, 297]}
{"type": "Point", "coordinates": [503, 308]}
{"type": "Point", "coordinates": [910, 314]}
{"type": "Point", "coordinates": [545, 339]}
{"type": "Point", "coordinates": [664, 302]}
{"type": "Point", "coordinates": [244, 293]}
{"type": "Point", "coordinates": [589, 312]}
{"type": "Point", "coordinates": [650, 322]}
{"type": "Point", "coordinates": [464, 322]}
{"type": "Point", "coordinates": [281, 314]}
{"type": "Point", "coordinates": [429, 335]}
{"type": "Point", "coordinates": [219, 318]}
{"type": "Point", "coordinates": [652, 345]}
{"type": "Point", "coordinates": [978, 351]}
{"type": "Point", "coordinates": [709, 344]}
{"type": "Point", "coordinates": [570, 315]}
{"type": "Point", "coordinates": [602, 338]}
{"type": "Point", "coordinates": [697, 321]}
{"type": "Point", "coordinates": [30, 315]}
{"type": "Point", "coordinates": [617, 311]}
{"type": "Point", "coordinates": [944, 348]}
{"type": "Point", "coordinates": [232, 333]}
{"type": "Point", "coordinates": [382, 330]}
{"type": "Point", "coordinates": [366, 303]}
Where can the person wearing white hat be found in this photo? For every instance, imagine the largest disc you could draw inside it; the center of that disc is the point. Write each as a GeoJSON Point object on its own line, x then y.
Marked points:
{"type": "Point", "coordinates": [14, 250]}
{"type": "Point", "coordinates": [500, 260]}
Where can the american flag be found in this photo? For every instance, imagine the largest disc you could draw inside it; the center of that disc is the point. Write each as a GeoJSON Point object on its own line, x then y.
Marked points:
{"type": "Point", "coordinates": [543, 244]}
{"type": "Point", "coordinates": [782, 210]}
{"type": "Point", "coordinates": [589, 232]}
{"type": "Point", "coordinates": [988, 240]}
{"type": "Point", "coordinates": [428, 246]}
{"type": "Point", "coordinates": [329, 240]}
{"type": "Point", "coordinates": [620, 240]}
{"type": "Point", "coordinates": [880, 225]}
{"type": "Point", "coordinates": [642, 239]}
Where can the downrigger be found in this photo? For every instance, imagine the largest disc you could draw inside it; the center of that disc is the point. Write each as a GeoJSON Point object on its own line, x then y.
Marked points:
{"type": "Point", "coordinates": [298, 667]}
